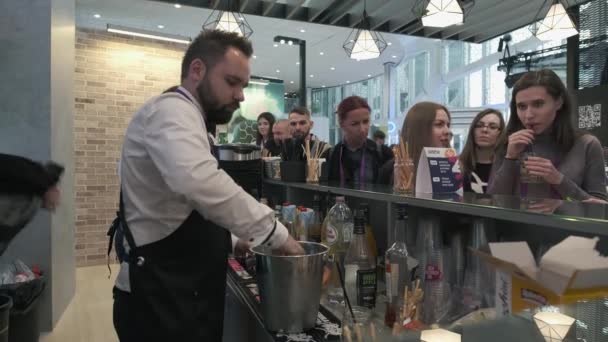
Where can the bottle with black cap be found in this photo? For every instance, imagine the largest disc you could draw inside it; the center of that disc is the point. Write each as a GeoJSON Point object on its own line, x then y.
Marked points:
{"type": "Point", "coordinates": [360, 266]}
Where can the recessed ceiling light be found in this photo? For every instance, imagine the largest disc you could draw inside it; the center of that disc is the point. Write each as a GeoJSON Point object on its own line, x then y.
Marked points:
{"type": "Point", "coordinates": [302, 30]}
{"type": "Point", "coordinates": [333, 68]}
{"type": "Point", "coordinates": [347, 81]}
{"type": "Point", "coordinates": [291, 82]}
{"type": "Point", "coordinates": [369, 75]}
{"type": "Point", "coordinates": [177, 6]}
{"type": "Point", "coordinates": [321, 53]}
{"type": "Point", "coordinates": [312, 75]}
{"type": "Point", "coordinates": [389, 43]}
{"type": "Point", "coordinates": [394, 56]}
{"type": "Point", "coordinates": [322, 86]}
{"type": "Point", "coordinates": [161, 26]}
{"type": "Point", "coordinates": [278, 70]}
{"type": "Point", "coordinates": [297, 63]}
{"type": "Point", "coordinates": [275, 45]}
{"type": "Point", "coordinates": [254, 56]}
{"type": "Point", "coordinates": [97, 15]}
{"type": "Point", "coordinates": [289, 42]}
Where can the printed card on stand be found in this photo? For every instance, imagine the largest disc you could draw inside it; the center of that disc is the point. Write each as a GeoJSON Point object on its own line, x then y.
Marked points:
{"type": "Point", "coordinates": [438, 171]}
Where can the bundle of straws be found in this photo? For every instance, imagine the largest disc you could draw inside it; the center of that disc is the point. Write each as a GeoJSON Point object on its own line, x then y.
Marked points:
{"type": "Point", "coordinates": [404, 169]}
{"type": "Point", "coordinates": [265, 153]}
{"type": "Point", "coordinates": [313, 159]}
{"type": "Point", "coordinates": [410, 313]}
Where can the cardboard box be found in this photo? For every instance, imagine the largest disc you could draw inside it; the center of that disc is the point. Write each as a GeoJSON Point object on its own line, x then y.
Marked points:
{"type": "Point", "coordinates": [569, 272]}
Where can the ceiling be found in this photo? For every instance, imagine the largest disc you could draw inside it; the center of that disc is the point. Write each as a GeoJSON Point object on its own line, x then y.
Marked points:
{"type": "Point", "coordinates": [187, 21]}
{"type": "Point", "coordinates": [484, 19]}
{"type": "Point", "coordinates": [323, 24]}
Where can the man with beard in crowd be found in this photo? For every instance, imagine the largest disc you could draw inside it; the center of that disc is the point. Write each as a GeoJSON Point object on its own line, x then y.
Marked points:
{"type": "Point", "coordinates": [177, 209]}
{"type": "Point", "coordinates": [300, 126]}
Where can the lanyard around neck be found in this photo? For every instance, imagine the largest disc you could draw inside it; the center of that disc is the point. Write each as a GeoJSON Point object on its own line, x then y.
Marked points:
{"type": "Point", "coordinates": [361, 166]}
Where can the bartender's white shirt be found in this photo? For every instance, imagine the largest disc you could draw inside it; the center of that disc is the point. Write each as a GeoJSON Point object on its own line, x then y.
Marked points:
{"type": "Point", "coordinates": [167, 171]}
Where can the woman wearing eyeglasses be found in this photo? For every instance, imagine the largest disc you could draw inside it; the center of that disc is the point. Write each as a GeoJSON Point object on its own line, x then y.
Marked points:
{"type": "Point", "coordinates": [478, 153]}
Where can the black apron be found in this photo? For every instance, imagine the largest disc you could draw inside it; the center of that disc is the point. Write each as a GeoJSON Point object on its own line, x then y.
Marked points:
{"type": "Point", "coordinates": [178, 284]}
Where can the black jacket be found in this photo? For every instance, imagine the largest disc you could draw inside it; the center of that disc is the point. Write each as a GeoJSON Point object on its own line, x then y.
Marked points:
{"type": "Point", "coordinates": [334, 161]}
{"type": "Point", "coordinates": [273, 148]}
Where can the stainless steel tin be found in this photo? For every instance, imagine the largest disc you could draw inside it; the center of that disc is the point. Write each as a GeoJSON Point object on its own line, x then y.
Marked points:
{"type": "Point", "coordinates": [238, 152]}
{"type": "Point", "coordinates": [290, 287]}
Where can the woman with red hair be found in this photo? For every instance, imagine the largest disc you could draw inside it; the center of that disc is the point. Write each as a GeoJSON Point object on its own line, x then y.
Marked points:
{"type": "Point", "coordinates": [356, 159]}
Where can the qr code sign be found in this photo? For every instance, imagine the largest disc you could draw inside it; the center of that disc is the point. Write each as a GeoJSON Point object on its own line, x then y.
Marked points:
{"type": "Point", "coordinates": [590, 117]}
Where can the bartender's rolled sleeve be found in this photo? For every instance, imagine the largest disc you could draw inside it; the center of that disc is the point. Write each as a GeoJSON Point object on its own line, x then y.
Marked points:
{"type": "Point", "coordinates": [175, 139]}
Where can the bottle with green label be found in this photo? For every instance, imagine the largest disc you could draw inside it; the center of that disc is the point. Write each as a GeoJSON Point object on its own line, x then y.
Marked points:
{"type": "Point", "coordinates": [360, 267]}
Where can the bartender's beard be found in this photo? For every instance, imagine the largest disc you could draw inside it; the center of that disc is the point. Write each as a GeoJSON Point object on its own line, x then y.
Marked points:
{"type": "Point", "coordinates": [216, 113]}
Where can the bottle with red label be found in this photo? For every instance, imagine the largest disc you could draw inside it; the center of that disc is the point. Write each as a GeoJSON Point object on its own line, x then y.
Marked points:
{"type": "Point", "coordinates": [432, 256]}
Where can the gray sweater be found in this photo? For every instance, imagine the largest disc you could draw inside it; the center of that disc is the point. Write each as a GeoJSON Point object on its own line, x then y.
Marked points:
{"type": "Point", "coordinates": [582, 167]}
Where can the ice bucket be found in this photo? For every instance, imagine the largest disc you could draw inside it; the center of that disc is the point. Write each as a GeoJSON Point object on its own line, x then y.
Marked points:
{"type": "Point", "coordinates": [290, 287]}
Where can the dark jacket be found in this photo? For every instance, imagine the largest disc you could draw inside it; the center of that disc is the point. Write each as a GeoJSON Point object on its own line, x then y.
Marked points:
{"type": "Point", "coordinates": [273, 148]}
{"type": "Point", "coordinates": [386, 172]}
{"type": "Point", "coordinates": [373, 155]}
{"type": "Point", "coordinates": [387, 153]}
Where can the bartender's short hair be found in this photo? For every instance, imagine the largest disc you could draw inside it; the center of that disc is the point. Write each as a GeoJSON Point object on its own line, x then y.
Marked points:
{"type": "Point", "coordinates": [301, 111]}
{"type": "Point", "coordinates": [211, 45]}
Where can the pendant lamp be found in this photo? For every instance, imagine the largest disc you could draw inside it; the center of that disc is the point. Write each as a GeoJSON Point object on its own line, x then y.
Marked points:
{"type": "Point", "coordinates": [230, 20]}
{"type": "Point", "coordinates": [439, 13]}
{"type": "Point", "coordinates": [363, 43]}
{"type": "Point", "coordinates": [555, 25]}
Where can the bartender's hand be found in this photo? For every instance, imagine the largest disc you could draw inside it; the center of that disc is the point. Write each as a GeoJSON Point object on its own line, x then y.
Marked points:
{"type": "Point", "coordinates": [545, 169]}
{"type": "Point", "coordinates": [50, 199]}
{"type": "Point", "coordinates": [291, 247]}
{"type": "Point", "coordinates": [518, 142]}
{"type": "Point", "coordinates": [241, 248]}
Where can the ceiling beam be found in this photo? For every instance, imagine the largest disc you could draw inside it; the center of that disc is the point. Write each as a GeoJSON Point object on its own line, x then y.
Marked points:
{"type": "Point", "coordinates": [490, 15]}
{"type": "Point", "coordinates": [339, 13]}
{"type": "Point", "coordinates": [375, 13]}
{"type": "Point", "coordinates": [267, 7]}
{"type": "Point", "coordinates": [294, 9]}
{"type": "Point", "coordinates": [243, 6]}
{"type": "Point", "coordinates": [526, 16]}
{"type": "Point", "coordinates": [319, 11]}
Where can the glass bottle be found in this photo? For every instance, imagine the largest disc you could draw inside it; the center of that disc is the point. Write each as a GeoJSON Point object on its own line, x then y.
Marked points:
{"type": "Point", "coordinates": [360, 267]}
{"type": "Point", "coordinates": [369, 231]}
{"type": "Point", "coordinates": [397, 270]}
{"type": "Point", "coordinates": [314, 234]}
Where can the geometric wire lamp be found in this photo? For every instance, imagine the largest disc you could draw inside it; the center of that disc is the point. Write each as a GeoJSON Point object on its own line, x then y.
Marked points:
{"type": "Point", "coordinates": [230, 21]}
{"type": "Point", "coordinates": [363, 43]}
{"type": "Point", "coordinates": [556, 25]}
{"type": "Point", "coordinates": [440, 13]}
{"type": "Point", "coordinates": [554, 326]}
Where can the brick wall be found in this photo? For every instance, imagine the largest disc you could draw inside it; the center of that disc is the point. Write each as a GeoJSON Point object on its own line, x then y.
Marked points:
{"type": "Point", "coordinates": [113, 76]}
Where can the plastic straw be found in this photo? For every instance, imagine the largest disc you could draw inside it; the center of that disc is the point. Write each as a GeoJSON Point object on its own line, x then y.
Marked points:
{"type": "Point", "coordinates": [350, 308]}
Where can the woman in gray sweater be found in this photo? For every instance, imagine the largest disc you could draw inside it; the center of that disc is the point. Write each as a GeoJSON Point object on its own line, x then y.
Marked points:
{"type": "Point", "coordinates": [544, 156]}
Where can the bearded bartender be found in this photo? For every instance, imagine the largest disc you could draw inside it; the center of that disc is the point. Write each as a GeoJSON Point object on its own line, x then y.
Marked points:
{"type": "Point", "coordinates": [177, 209]}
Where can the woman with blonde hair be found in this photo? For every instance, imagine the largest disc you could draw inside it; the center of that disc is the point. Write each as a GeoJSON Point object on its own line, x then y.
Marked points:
{"type": "Point", "coordinates": [426, 124]}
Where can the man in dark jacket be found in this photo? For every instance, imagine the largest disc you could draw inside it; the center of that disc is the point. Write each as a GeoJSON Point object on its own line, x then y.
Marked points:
{"type": "Point", "coordinates": [379, 138]}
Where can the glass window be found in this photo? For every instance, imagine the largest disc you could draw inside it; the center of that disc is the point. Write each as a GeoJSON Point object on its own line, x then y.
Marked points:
{"type": "Point", "coordinates": [421, 73]}
{"type": "Point", "coordinates": [475, 95]}
{"type": "Point", "coordinates": [496, 86]}
{"type": "Point", "coordinates": [475, 52]}
{"type": "Point", "coordinates": [455, 94]}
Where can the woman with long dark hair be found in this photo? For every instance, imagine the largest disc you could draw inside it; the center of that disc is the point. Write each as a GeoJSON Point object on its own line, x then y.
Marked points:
{"type": "Point", "coordinates": [264, 132]}
{"type": "Point", "coordinates": [544, 156]}
{"type": "Point", "coordinates": [478, 154]}
{"type": "Point", "coordinates": [427, 124]}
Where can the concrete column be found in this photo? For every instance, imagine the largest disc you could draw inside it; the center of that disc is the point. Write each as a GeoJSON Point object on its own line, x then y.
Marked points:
{"type": "Point", "coordinates": [36, 121]}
